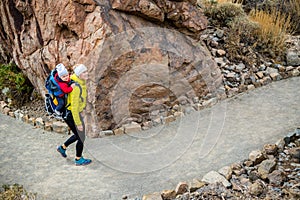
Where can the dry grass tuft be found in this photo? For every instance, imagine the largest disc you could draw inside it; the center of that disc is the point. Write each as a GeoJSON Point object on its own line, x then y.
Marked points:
{"type": "Point", "coordinates": [274, 27]}
{"type": "Point", "coordinates": [296, 5]}
{"type": "Point", "coordinates": [293, 7]}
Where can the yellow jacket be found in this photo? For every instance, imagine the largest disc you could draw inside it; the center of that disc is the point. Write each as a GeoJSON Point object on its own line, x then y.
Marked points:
{"type": "Point", "coordinates": [76, 102]}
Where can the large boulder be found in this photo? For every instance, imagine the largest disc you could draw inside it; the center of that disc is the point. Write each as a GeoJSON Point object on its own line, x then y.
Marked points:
{"type": "Point", "coordinates": [136, 64]}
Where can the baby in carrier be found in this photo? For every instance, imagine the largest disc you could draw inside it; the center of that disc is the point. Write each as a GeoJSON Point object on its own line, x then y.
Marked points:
{"type": "Point", "coordinates": [63, 79]}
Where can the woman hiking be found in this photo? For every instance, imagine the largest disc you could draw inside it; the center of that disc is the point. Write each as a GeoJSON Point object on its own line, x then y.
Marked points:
{"type": "Point", "coordinates": [76, 102]}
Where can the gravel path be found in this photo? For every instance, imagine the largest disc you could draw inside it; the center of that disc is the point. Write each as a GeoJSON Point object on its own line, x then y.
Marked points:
{"type": "Point", "coordinates": [156, 159]}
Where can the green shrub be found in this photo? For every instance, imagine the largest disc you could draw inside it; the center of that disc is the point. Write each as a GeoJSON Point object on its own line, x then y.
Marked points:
{"type": "Point", "coordinates": [14, 84]}
{"type": "Point", "coordinates": [15, 192]}
{"type": "Point", "coordinates": [222, 14]}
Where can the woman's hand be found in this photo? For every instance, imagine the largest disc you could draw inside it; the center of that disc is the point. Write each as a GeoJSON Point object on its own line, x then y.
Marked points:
{"type": "Point", "coordinates": [80, 127]}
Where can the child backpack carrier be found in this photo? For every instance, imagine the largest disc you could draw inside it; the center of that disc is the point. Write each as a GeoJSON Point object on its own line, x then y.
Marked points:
{"type": "Point", "coordinates": [54, 90]}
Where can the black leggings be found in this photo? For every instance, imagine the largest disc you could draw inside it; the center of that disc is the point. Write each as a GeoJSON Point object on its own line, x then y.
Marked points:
{"type": "Point", "coordinates": [78, 136]}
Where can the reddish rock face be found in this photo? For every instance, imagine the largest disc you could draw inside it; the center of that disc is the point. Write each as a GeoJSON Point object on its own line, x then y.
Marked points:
{"type": "Point", "coordinates": [135, 66]}
{"type": "Point", "coordinates": [182, 14]}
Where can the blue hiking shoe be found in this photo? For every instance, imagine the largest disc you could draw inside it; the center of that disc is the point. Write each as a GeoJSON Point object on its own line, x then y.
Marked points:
{"type": "Point", "coordinates": [62, 151]}
{"type": "Point", "coordinates": [82, 161]}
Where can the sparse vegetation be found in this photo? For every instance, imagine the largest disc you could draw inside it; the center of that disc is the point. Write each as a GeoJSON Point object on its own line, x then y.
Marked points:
{"type": "Point", "coordinates": [262, 31]}
{"type": "Point", "coordinates": [222, 14]}
{"type": "Point", "coordinates": [231, 1]}
{"type": "Point", "coordinates": [240, 40]}
{"type": "Point", "coordinates": [274, 26]}
{"type": "Point", "coordinates": [14, 85]}
{"type": "Point", "coordinates": [15, 192]}
{"type": "Point", "coordinates": [293, 8]}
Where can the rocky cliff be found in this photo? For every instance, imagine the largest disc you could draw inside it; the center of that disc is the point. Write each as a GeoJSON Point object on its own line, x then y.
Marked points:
{"type": "Point", "coordinates": [143, 56]}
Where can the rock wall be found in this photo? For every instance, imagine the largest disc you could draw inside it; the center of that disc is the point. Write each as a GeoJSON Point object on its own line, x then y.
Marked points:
{"type": "Point", "coordinates": [138, 62]}
{"type": "Point", "coordinates": [41, 34]}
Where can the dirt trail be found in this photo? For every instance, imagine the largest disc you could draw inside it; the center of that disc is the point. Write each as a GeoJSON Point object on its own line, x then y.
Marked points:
{"type": "Point", "coordinates": [156, 159]}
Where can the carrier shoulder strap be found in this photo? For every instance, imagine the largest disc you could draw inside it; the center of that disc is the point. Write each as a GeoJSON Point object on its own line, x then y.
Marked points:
{"type": "Point", "coordinates": [80, 89]}
{"type": "Point", "coordinates": [80, 93]}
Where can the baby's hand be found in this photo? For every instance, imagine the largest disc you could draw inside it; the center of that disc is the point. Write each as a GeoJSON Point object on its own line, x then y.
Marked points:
{"type": "Point", "coordinates": [73, 85]}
